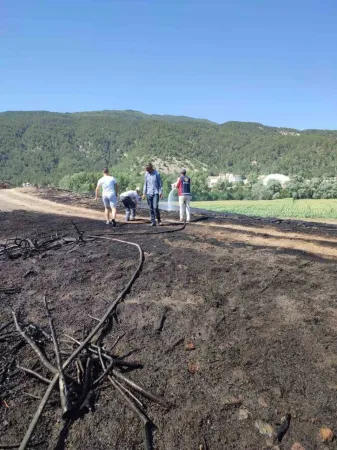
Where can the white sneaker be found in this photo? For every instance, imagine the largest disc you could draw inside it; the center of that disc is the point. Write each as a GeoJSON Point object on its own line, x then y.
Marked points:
{"type": "Point", "coordinates": [107, 222]}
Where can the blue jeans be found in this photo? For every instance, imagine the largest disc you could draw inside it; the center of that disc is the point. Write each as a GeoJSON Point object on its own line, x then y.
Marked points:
{"type": "Point", "coordinates": [130, 208]}
{"type": "Point", "coordinates": [153, 202]}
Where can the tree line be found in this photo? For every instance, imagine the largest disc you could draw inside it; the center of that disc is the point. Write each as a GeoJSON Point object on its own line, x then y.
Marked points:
{"type": "Point", "coordinates": [297, 188]}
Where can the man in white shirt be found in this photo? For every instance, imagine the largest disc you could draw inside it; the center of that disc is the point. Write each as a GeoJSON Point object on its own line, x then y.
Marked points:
{"type": "Point", "coordinates": [130, 200]}
{"type": "Point", "coordinates": [109, 196]}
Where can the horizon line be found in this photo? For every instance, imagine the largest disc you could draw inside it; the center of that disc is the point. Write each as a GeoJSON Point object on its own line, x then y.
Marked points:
{"type": "Point", "coordinates": [163, 115]}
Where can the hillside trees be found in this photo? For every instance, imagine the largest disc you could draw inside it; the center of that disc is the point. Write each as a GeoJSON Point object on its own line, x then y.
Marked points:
{"type": "Point", "coordinates": [297, 188]}
{"type": "Point", "coordinates": [43, 147]}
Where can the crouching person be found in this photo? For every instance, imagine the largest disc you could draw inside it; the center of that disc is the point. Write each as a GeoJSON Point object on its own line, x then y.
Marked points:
{"type": "Point", "coordinates": [130, 200]}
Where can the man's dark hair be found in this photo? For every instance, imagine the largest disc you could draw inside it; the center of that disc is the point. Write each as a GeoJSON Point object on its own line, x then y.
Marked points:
{"type": "Point", "coordinates": [105, 170]}
{"type": "Point", "coordinates": [183, 171]}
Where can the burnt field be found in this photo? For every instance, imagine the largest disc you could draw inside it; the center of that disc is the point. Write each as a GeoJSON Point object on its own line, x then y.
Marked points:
{"type": "Point", "coordinates": [235, 328]}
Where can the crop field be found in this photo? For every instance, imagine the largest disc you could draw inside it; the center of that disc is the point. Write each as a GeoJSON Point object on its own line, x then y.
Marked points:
{"type": "Point", "coordinates": [306, 208]}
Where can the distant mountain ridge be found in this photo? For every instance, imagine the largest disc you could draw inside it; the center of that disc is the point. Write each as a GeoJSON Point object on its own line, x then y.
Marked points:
{"type": "Point", "coordinates": [128, 114]}
{"type": "Point", "coordinates": [42, 146]}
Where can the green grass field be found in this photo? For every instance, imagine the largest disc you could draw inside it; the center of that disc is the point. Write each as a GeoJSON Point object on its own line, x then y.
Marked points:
{"type": "Point", "coordinates": [306, 209]}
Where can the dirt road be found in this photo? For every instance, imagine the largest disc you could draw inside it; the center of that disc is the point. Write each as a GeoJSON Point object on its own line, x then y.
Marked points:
{"type": "Point", "coordinates": [24, 199]}
{"type": "Point", "coordinates": [256, 300]}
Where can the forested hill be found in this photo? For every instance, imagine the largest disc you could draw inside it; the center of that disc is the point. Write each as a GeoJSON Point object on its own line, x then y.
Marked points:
{"type": "Point", "coordinates": [42, 147]}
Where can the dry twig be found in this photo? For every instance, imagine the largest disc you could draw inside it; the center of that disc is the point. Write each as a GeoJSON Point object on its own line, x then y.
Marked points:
{"type": "Point", "coordinates": [36, 349]}
{"type": "Point", "coordinates": [35, 374]}
{"type": "Point", "coordinates": [65, 404]}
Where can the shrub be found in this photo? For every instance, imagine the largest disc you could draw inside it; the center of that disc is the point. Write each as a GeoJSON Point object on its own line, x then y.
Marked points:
{"type": "Point", "coordinates": [82, 182]}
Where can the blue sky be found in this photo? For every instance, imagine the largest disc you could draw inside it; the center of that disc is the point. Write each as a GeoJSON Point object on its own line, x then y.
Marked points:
{"type": "Point", "coordinates": [268, 61]}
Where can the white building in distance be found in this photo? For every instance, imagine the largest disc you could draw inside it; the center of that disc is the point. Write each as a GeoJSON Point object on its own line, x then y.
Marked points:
{"type": "Point", "coordinates": [282, 179]}
{"type": "Point", "coordinates": [230, 177]}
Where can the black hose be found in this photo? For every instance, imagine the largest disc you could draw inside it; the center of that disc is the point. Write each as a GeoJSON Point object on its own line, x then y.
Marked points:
{"type": "Point", "coordinates": [86, 341]}
{"type": "Point", "coordinates": [137, 233]}
{"type": "Point", "coordinates": [99, 325]}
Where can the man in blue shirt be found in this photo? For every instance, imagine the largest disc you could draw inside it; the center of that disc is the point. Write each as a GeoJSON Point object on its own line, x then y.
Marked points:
{"type": "Point", "coordinates": [153, 190]}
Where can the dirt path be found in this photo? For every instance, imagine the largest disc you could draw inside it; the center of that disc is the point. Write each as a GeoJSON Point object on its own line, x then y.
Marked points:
{"type": "Point", "coordinates": [315, 245]}
{"type": "Point", "coordinates": [18, 199]}
{"type": "Point", "coordinates": [266, 236]}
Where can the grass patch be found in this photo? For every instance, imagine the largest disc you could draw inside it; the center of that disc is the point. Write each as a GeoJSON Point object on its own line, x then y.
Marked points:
{"type": "Point", "coordinates": [306, 208]}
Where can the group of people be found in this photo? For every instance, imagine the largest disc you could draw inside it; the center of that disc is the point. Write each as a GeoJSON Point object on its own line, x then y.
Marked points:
{"type": "Point", "coordinates": [152, 192]}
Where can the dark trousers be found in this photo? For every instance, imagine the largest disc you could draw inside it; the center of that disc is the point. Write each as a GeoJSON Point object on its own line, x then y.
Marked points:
{"type": "Point", "coordinates": [153, 202]}
{"type": "Point", "coordinates": [130, 208]}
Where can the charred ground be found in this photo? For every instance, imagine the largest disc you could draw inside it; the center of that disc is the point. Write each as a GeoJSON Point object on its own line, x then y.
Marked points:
{"type": "Point", "coordinates": [263, 320]}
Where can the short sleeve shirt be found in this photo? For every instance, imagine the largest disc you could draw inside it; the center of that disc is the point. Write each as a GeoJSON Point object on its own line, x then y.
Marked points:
{"type": "Point", "coordinates": [132, 194]}
{"type": "Point", "coordinates": [107, 184]}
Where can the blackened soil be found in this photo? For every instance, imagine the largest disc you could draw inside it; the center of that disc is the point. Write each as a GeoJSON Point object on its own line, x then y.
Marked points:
{"type": "Point", "coordinates": [263, 322]}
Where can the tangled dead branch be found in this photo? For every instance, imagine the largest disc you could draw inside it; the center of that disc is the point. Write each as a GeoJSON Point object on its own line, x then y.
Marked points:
{"type": "Point", "coordinates": [79, 390]}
